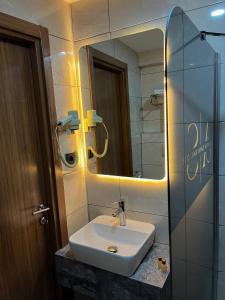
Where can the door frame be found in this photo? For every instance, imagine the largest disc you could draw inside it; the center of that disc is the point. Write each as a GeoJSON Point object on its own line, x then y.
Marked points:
{"type": "Point", "coordinates": [37, 37]}
{"type": "Point", "coordinates": [102, 60]}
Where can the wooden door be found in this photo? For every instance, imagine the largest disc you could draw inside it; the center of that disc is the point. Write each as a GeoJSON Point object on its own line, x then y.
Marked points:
{"type": "Point", "coordinates": [111, 101]}
{"type": "Point", "coordinates": [26, 181]}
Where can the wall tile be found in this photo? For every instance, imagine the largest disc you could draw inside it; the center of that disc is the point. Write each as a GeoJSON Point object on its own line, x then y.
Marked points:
{"type": "Point", "coordinates": [83, 69]}
{"type": "Point", "coordinates": [154, 58]}
{"type": "Point", "coordinates": [152, 153]}
{"type": "Point", "coordinates": [77, 220]}
{"type": "Point", "coordinates": [151, 82]}
{"type": "Point", "coordinates": [222, 149]}
{"type": "Point", "coordinates": [154, 126]}
{"type": "Point", "coordinates": [65, 100]}
{"type": "Point", "coordinates": [153, 137]}
{"type": "Point", "coordinates": [153, 171]}
{"type": "Point", "coordinates": [130, 12]}
{"type": "Point", "coordinates": [221, 265]}
{"type": "Point", "coordinates": [204, 21]}
{"type": "Point", "coordinates": [145, 197]}
{"type": "Point", "coordinates": [135, 109]}
{"type": "Point", "coordinates": [161, 223]}
{"type": "Point", "coordinates": [194, 93]}
{"type": "Point", "coordinates": [53, 14]}
{"type": "Point", "coordinates": [75, 191]}
{"type": "Point", "coordinates": [222, 92]}
{"type": "Point", "coordinates": [90, 18]}
{"type": "Point", "coordinates": [221, 286]}
{"type": "Point", "coordinates": [127, 55]}
{"type": "Point", "coordinates": [199, 242]}
{"type": "Point", "coordinates": [136, 28]}
{"type": "Point", "coordinates": [222, 200]}
{"type": "Point", "coordinates": [134, 81]}
{"type": "Point", "coordinates": [102, 190]}
{"type": "Point", "coordinates": [62, 59]}
{"type": "Point", "coordinates": [151, 112]}
{"type": "Point", "coordinates": [199, 282]}
{"type": "Point", "coordinates": [107, 47]}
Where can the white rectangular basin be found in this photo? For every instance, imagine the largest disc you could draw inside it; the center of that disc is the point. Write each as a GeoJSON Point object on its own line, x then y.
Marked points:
{"type": "Point", "coordinates": [92, 244]}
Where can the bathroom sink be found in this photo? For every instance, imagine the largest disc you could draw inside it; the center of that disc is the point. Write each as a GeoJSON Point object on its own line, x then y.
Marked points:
{"type": "Point", "coordinates": [105, 244]}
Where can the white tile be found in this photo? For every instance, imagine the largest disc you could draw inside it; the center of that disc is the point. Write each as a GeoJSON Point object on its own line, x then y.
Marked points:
{"type": "Point", "coordinates": [102, 190]}
{"type": "Point", "coordinates": [179, 278]}
{"type": "Point", "coordinates": [90, 41]}
{"type": "Point", "coordinates": [152, 69]}
{"type": "Point", "coordinates": [75, 191]}
{"type": "Point", "coordinates": [222, 200]}
{"type": "Point", "coordinates": [178, 243]}
{"type": "Point", "coordinates": [153, 171]}
{"type": "Point", "coordinates": [155, 126]}
{"type": "Point", "coordinates": [126, 55]}
{"type": "Point", "coordinates": [153, 137]}
{"type": "Point", "coordinates": [135, 109]}
{"type": "Point", "coordinates": [90, 18]}
{"type": "Point", "coordinates": [66, 99]}
{"type": "Point", "coordinates": [153, 153]}
{"type": "Point", "coordinates": [145, 196]}
{"type": "Point", "coordinates": [160, 222]}
{"type": "Point", "coordinates": [86, 100]}
{"type": "Point", "coordinates": [222, 92]}
{"type": "Point", "coordinates": [151, 82]}
{"type": "Point", "coordinates": [204, 21]}
{"type": "Point", "coordinates": [199, 243]}
{"type": "Point", "coordinates": [137, 28]}
{"type": "Point", "coordinates": [197, 53]}
{"type": "Point", "coordinates": [175, 98]}
{"type": "Point", "coordinates": [136, 129]}
{"type": "Point", "coordinates": [152, 112]}
{"type": "Point", "coordinates": [155, 58]}
{"type": "Point", "coordinates": [83, 68]}
{"type": "Point", "coordinates": [194, 107]}
{"type": "Point", "coordinates": [221, 286]}
{"type": "Point", "coordinates": [134, 82]}
{"type": "Point", "coordinates": [62, 59]}
{"type": "Point", "coordinates": [136, 155]}
{"type": "Point", "coordinates": [107, 47]}
{"type": "Point", "coordinates": [94, 211]}
{"type": "Point", "coordinates": [222, 149]}
{"type": "Point", "coordinates": [131, 12]}
{"type": "Point", "coordinates": [53, 14]}
{"type": "Point", "coordinates": [77, 220]}
{"type": "Point", "coordinates": [221, 259]}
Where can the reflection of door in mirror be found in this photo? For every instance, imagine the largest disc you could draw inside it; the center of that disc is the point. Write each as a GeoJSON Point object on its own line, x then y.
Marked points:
{"type": "Point", "coordinates": [109, 85]}
{"type": "Point", "coordinates": [133, 109]}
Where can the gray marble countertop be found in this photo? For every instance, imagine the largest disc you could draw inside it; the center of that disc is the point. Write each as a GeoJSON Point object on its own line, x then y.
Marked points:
{"type": "Point", "coordinates": [147, 279]}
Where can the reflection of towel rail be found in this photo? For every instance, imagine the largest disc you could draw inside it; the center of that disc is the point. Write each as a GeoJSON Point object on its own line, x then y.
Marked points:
{"type": "Point", "coordinates": [153, 99]}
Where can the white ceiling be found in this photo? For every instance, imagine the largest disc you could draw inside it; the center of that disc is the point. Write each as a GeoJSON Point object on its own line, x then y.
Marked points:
{"type": "Point", "coordinates": [145, 41]}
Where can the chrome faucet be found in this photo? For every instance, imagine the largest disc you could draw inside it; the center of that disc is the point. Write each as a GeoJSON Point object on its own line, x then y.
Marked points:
{"type": "Point", "coordinates": [120, 211]}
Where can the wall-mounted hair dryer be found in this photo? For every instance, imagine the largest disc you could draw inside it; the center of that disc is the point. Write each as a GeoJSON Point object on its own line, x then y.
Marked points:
{"type": "Point", "coordinates": [90, 122]}
{"type": "Point", "coordinates": [69, 125]}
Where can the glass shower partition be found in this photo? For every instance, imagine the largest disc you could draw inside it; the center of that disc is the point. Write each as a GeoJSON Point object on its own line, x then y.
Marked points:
{"type": "Point", "coordinates": [191, 68]}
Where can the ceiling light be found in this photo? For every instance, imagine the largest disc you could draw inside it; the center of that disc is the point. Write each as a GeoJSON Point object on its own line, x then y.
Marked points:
{"type": "Point", "coordinates": [217, 12]}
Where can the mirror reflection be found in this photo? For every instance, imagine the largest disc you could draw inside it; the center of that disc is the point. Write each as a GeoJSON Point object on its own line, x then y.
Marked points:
{"type": "Point", "coordinates": [124, 119]}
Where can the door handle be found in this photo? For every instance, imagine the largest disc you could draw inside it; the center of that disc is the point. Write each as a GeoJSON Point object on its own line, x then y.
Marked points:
{"type": "Point", "coordinates": [41, 209]}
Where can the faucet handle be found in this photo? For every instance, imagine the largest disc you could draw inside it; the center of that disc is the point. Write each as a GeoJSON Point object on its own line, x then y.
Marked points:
{"type": "Point", "coordinates": [121, 204]}
{"type": "Point", "coordinates": [122, 200]}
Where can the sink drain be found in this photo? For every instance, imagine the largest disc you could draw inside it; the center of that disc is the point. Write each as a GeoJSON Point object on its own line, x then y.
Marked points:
{"type": "Point", "coordinates": [112, 249]}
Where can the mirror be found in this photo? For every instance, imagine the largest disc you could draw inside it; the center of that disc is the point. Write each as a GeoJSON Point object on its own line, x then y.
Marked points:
{"type": "Point", "coordinates": [124, 110]}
